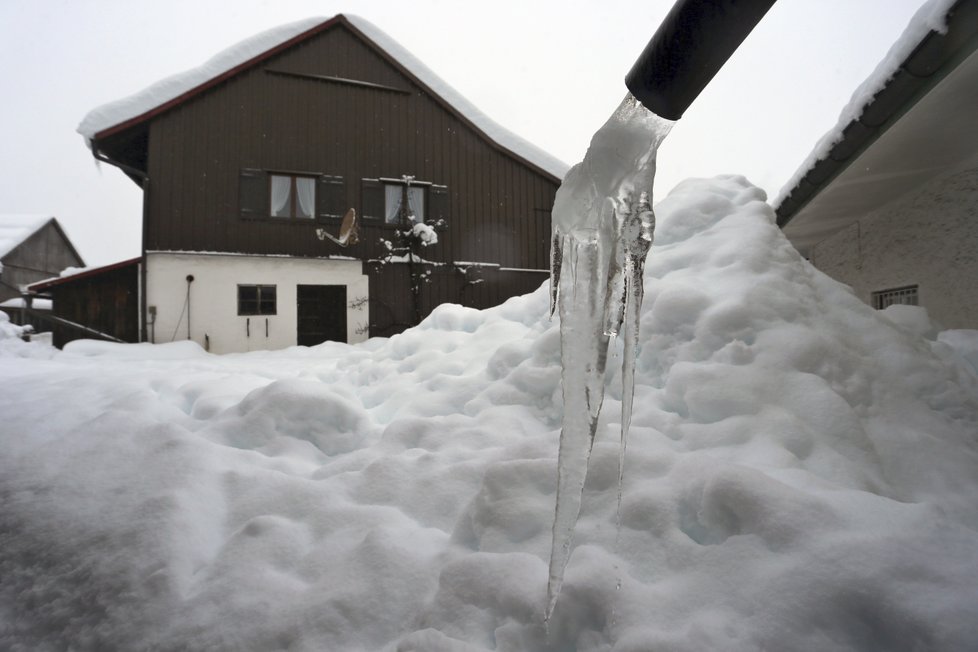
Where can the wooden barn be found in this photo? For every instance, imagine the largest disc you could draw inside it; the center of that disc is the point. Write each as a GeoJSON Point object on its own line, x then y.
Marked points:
{"type": "Point", "coordinates": [94, 303]}
{"type": "Point", "coordinates": [317, 182]}
{"type": "Point", "coordinates": [32, 247]}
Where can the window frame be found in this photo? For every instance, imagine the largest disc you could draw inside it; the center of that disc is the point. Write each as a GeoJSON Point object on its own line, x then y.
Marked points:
{"type": "Point", "coordinates": [259, 301]}
{"type": "Point", "coordinates": [255, 196]}
{"type": "Point", "coordinates": [380, 184]}
{"type": "Point", "coordinates": [882, 299]}
{"type": "Point", "coordinates": [294, 194]}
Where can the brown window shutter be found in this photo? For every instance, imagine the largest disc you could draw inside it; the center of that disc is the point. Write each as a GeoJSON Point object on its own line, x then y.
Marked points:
{"type": "Point", "coordinates": [438, 204]}
{"type": "Point", "coordinates": [330, 197]}
{"type": "Point", "coordinates": [372, 199]}
{"type": "Point", "coordinates": [253, 193]}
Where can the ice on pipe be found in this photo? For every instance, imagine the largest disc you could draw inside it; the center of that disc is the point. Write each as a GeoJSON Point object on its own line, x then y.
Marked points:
{"type": "Point", "coordinates": [602, 232]}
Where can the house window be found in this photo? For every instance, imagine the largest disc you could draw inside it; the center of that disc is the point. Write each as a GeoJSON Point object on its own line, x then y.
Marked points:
{"type": "Point", "coordinates": [292, 196]}
{"type": "Point", "coordinates": [885, 298]}
{"type": "Point", "coordinates": [256, 300]}
{"type": "Point", "coordinates": [395, 202]}
{"type": "Point", "coordinates": [286, 196]}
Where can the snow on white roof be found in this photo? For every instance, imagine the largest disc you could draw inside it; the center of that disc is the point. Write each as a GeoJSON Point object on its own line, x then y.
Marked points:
{"type": "Point", "coordinates": [14, 229]}
{"type": "Point", "coordinates": [131, 107]}
{"type": "Point", "coordinates": [931, 17]}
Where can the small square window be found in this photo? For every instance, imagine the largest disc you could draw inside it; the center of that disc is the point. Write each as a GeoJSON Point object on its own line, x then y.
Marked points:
{"type": "Point", "coordinates": [256, 300]}
{"type": "Point", "coordinates": [897, 296]}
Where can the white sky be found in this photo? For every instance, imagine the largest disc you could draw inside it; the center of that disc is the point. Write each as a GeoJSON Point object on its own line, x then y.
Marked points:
{"type": "Point", "coordinates": [551, 71]}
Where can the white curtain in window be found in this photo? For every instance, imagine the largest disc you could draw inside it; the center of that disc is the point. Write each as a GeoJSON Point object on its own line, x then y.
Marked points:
{"type": "Point", "coordinates": [281, 192]}
{"type": "Point", "coordinates": [392, 203]}
{"type": "Point", "coordinates": [305, 190]}
{"type": "Point", "coordinates": [416, 203]}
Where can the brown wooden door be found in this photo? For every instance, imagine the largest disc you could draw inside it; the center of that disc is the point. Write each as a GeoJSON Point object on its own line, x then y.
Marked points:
{"type": "Point", "coordinates": [321, 312]}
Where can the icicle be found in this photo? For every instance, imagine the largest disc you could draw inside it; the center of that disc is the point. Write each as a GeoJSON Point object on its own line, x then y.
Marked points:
{"type": "Point", "coordinates": [556, 259]}
{"type": "Point", "coordinates": [638, 233]}
{"type": "Point", "coordinates": [600, 241]}
{"type": "Point", "coordinates": [584, 350]}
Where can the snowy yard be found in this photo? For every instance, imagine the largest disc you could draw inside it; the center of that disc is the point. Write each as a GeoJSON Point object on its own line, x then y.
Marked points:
{"type": "Point", "coordinates": [802, 474]}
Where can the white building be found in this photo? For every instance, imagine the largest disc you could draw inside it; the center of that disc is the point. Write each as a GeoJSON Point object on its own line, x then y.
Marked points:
{"type": "Point", "coordinates": [888, 202]}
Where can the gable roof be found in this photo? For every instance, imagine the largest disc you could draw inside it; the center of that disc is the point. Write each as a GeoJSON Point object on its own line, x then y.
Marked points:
{"type": "Point", "coordinates": [121, 115]}
{"type": "Point", "coordinates": [912, 107]}
{"type": "Point", "coordinates": [15, 229]}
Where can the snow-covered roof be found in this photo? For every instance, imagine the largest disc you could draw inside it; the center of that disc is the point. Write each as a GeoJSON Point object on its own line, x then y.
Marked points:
{"type": "Point", "coordinates": [931, 17]}
{"type": "Point", "coordinates": [14, 229]}
{"type": "Point", "coordinates": [174, 89]}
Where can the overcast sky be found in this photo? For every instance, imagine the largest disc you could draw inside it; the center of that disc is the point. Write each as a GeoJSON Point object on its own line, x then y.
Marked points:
{"type": "Point", "coordinates": [551, 71]}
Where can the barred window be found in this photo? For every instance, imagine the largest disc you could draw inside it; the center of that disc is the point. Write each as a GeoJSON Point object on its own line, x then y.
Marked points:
{"type": "Point", "coordinates": [906, 295]}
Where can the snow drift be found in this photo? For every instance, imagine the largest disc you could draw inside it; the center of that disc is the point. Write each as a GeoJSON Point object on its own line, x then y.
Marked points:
{"type": "Point", "coordinates": [801, 475]}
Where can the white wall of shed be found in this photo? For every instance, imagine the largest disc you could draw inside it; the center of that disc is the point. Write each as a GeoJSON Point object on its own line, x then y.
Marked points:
{"type": "Point", "coordinates": [214, 298]}
{"type": "Point", "coordinates": [928, 238]}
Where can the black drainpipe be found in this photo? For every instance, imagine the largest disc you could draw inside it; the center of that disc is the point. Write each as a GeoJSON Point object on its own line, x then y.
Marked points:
{"type": "Point", "coordinates": [144, 178]}
{"type": "Point", "coordinates": [689, 48]}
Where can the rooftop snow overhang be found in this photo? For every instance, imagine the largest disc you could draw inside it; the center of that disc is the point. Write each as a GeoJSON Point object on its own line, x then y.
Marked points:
{"type": "Point", "coordinates": [919, 126]}
{"type": "Point", "coordinates": [123, 141]}
{"type": "Point", "coordinates": [48, 283]}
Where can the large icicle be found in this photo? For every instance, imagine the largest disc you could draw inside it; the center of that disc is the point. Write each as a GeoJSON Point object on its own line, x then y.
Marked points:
{"type": "Point", "coordinates": [602, 232]}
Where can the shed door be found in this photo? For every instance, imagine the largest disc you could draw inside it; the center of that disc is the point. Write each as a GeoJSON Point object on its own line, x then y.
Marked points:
{"type": "Point", "coordinates": [321, 312]}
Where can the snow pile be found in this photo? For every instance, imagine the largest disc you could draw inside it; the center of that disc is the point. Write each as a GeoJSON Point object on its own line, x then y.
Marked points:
{"type": "Point", "coordinates": [7, 329]}
{"type": "Point", "coordinates": [424, 234]}
{"type": "Point", "coordinates": [931, 17]}
{"type": "Point", "coordinates": [166, 90]}
{"type": "Point", "coordinates": [802, 474]}
{"type": "Point", "coordinates": [12, 346]}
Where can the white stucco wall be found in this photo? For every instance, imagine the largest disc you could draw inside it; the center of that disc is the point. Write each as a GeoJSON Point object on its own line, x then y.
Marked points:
{"type": "Point", "coordinates": [928, 239]}
{"type": "Point", "coordinates": [214, 298]}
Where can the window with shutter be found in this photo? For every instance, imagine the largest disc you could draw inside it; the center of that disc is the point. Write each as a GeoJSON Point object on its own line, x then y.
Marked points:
{"type": "Point", "coordinates": [395, 202]}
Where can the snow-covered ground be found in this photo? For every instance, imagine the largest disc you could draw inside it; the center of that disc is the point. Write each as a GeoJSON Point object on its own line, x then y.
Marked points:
{"type": "Point", "coordinates": [802, 474]}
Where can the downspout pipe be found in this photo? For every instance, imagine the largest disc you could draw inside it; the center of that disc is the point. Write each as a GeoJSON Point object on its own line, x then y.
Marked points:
{"type": "Point", "coordinates": [689, 48]}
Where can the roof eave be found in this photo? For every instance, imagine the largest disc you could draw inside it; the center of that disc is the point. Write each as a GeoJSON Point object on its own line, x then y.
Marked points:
{"type": "Point", "coordinates": [930, 62]}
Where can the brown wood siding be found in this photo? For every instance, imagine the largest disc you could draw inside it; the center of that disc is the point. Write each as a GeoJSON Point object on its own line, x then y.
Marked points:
{"type": "Point", "coordinates": [107, 302]}
{"type": "Point", "coordinates": [391, 303]}
{"type": "Point", "coordinates": [499, 206]}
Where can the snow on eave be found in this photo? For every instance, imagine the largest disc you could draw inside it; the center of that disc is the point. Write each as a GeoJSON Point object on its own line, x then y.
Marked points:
{"type": "Point", "coordinates": [70, 274]}
{"type": "Point", "coordinates": [16, 229]}
{"type": "Point", "coordinates": [118, 115]}
{"type": "Point", "coordinates": [931, 17]}
{"type": "Point", "coordinates": [167, 92]}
